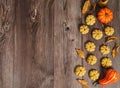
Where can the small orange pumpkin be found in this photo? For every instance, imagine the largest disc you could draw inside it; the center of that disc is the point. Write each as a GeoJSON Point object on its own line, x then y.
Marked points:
{"type": "Point", "coordinates": [105, 15]}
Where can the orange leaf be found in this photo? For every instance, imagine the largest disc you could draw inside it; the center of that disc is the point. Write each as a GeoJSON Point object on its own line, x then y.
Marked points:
{"type": "Point", "coordinates": [86, 6]}
{"type": "Point", "coordinates": [80, 53]}
{"type": "Point", "coordinates": [83, 83]}
{"type": "Point", "coordinates": [115, 51]}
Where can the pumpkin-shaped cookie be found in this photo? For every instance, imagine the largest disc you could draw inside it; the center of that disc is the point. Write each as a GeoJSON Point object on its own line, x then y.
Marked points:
{"type": "Point", "coordinates": [91, 59]}
{"type": "Point", "coordinates": [104, 49]}
{"type": "Point", "coordinates": [105, 15]}
{"type": "Point", "coordinates": [97, 34]}
{"type": "Point", "coordinates": [80, 70]}
{"type": "Point", "coordinates": [84, 29]}
{"type": "Point", "coordinates": [94, 75]}
{"type": "Point", "coordinates": [90, 46]}
{"type": "Point", "coordinates": [109, 31]}
{"type": "Point", "coordinates": [90, 20]}
{"type": "Point", "coordinates": [106, 62]}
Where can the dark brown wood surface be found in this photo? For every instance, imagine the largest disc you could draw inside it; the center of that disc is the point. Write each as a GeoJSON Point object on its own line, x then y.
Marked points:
{"type": "Point", "coordinates": [38, 40]}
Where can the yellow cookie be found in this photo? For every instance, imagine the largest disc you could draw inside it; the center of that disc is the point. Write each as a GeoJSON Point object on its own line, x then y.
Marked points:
{"type": "Point", "coordinates": [84, 29]}
{"type": "Point", "coordinates": [97, 34]}
{"type": "Point", "coordinates": [94, 75]}
{"type": "Point", "coordinates": [80, 71]}
{"type": "Point", "coordinates": [109, 31]}
{"type": "Point", "coordinates": [105, 49]}
{"type": "Point", "coordinates": [106, 62]}
{"type": "Point", "coordinates": [91, 59]}
{"type": "Point", "coordinates": [90, 20]}
{"type": "Point", "coordinates": [90, 46]}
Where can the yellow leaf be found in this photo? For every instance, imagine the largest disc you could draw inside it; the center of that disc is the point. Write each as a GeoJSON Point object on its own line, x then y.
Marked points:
{"type": "Point", "coordinates": [111, 39]}
{"type": "Point", "coordinates": [115, 51]}
{"type": "Point", "coordinates": [80, 53]}
{"type": "Point", "coordinates": [86, 6]}
{"type": "Point", "coordinates": [83, 83]}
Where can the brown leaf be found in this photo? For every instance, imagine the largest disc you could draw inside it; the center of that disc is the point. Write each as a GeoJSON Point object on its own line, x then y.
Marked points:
{"type": "Point", "coordinates": [86, 6]}
{"type": "Point", "coordinates": [111, 39]}
{"type": "Point", "coordinates": [93, 6]}
{"type": "Point", "coordinates": [80, 53]}
{"type": "Point", "coordinates": [115, 50]}
{"type": "Point", "coordinates": [83, 83]}
{"type": "Point", "coordinates": [103, 3]}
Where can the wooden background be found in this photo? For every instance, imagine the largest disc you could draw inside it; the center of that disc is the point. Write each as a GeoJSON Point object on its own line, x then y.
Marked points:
{"type": "Point", "coordinates": [38, 40]}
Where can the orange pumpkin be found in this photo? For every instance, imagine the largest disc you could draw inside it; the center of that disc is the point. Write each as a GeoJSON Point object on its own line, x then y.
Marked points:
{"type": "Point", "coordinates": [111, 77]}
{"type": "Point", "coordinates": [105, 15]}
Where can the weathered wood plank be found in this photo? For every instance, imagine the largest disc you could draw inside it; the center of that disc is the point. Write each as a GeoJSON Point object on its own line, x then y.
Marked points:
{"type": "Point", "coordinates": [33, 64]}
{"type": "Point", "coordinates": [67, 13]}
{"type": "Point", "coordinates": [6, 43]}
{"type": "Point", "coordinates": [22, 46]}
{"type": "Point", "coordinates": [59, 77]}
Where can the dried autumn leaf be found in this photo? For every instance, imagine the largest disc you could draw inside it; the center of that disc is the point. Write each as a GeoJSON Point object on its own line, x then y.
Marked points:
{"type": "Point", "coordinates": [83, 83]}
{"type": "Point", "coordinates": [115, 50]}
{"type": "Point", "coordinates": [103, 3]}
{"type": "Point", "coordinates": [86, 6]}
{"type": "Point", "coordinates": [111, 39]}
{"type": "Point", "coordinates": [80, 53]}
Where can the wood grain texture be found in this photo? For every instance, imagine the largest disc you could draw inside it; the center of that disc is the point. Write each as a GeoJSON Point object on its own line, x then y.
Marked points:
{"type": "Point", "coordinates": [6, 43]}
{"type": "Point", "coordinates": [38, 40]}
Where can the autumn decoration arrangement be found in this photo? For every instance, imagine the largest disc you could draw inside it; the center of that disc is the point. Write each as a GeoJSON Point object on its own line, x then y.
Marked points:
{"type": "Point", "coordinates": [104, 15]}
